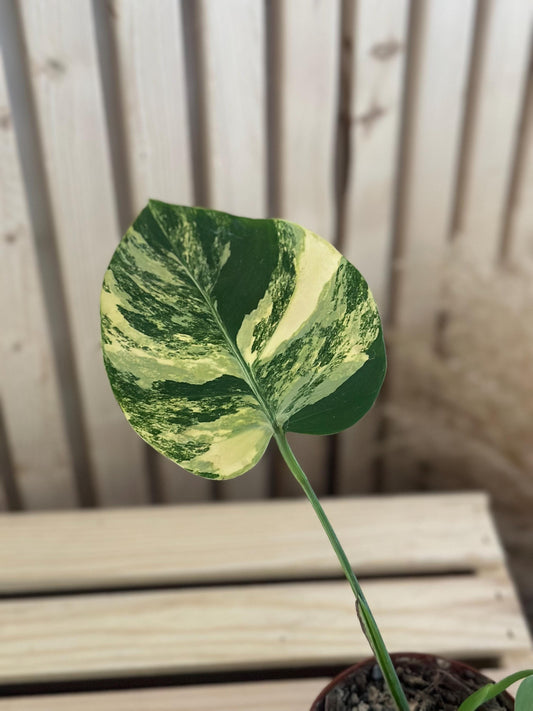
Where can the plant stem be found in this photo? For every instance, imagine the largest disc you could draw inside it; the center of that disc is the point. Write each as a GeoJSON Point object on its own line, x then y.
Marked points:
{"type": "Point", "coordinates": [364, 614]}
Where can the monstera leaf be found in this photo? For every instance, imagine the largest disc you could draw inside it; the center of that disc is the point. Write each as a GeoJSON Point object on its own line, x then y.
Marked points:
{"type": "Point", "coordinates": [220, 331]}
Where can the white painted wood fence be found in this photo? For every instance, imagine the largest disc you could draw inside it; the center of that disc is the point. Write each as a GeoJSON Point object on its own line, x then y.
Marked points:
{"type": "Point", "coordinates": [389, 127]}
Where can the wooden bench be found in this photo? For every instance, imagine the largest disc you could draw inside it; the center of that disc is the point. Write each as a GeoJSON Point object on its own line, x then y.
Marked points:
{"type": "Point", "coordinates": [241, 606]}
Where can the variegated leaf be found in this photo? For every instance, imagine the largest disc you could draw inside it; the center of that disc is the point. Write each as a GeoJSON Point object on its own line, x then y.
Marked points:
{"type": "Point", "coordinates": [218, 331]}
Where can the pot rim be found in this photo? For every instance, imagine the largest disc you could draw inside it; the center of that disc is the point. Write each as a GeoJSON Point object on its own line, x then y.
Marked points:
{"type": "Point", "coordinates": [428, 658]}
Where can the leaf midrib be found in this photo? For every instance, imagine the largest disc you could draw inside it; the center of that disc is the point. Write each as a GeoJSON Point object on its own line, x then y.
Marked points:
{"type": "Point", "coordinates": [248, 374]}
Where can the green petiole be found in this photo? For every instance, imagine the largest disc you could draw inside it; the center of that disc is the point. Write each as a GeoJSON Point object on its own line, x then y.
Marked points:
{"type": "Point", "coordinates": [364, 614]}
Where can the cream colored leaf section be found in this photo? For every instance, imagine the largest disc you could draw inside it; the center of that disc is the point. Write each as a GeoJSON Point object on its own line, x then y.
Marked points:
{"type": "Point", "coordinates": [236, 442]}
{"type": "Point", "coordinates": [152, 360]}
{"type": "Point", "coordinates": [315, 266]}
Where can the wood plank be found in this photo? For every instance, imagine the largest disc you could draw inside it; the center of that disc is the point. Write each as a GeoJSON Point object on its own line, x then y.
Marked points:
{"type": "Point", "coordinates": [233, 44]}
{"type": "Point", "coordinates": [151, 66]}
{"type": "Point", "coordinates": [379, 35]}
{"type": "Point", "coordinates": [234, 56]}
{"type": "Point", "coordinates": [308, 86]}
{"type": "Point", "coordinates": [286, 695]}
{"type": "Point", "coordinates": [497, 74]}
{"type": "Point", "coordinates": [310, 56]}
{"type": "Point", "coordinates": [380, 41]}
{"type": "Point", "coordinates": [60, 42]}
{"type": "Point", "coordinates": [230, 542]}
{"type": "Point", "coordinates": [496, 113]}
{"type": "Point", "coordinates": [252, 627]}
{"type": "Point", "coordinates": [154, 101]}
{"type": "Point", "coordinates": [28, 380]}
{"type": "Point", "coordinates": [431, 142]}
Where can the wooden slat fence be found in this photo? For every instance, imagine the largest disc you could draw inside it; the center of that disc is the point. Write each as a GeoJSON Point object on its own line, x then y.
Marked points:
{"type": "Point", "coordinates": [392, 128]}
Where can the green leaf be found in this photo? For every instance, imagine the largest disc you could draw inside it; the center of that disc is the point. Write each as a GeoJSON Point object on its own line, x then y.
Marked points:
{"type": "Point", "coordinates": [490, 691]}
{"type": "Point", "coordinates": [219, 330]}
{"type": "Point", "coordinates": [524, 695]}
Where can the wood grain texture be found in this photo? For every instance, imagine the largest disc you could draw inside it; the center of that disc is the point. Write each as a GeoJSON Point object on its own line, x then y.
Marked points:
{"type": "Point", "coordinates": [285, 695]}
{"type": "Point", "coordinates": [154, 103]}
{"type": "Point", "coordinates": [432, 140]}
{"type": "Point", "coordinates": [28, 379]}
{"type": "Point", "coordinates": [308, 84]}
{"type": "Point", "coordinates": [293, 695]}
{"type": "Point", "coordinates": [234, 60]}
{"type": "Point", "coordinates": [230, 542]}
{"type": "Point", "coordinates": [252, 627]}
{"type": "Point", "coordinates": [380, 43]}
{"type": "Point", "coordinates": [153, 86]}
{"type": "Point", "coordinates": [60, 41]}
{"type": "Point", "coordinates": [235, 81]}
{"type": "Point", "coordinates": [498, 94]}
{"type": "Point", "coordinates": [377, 80]}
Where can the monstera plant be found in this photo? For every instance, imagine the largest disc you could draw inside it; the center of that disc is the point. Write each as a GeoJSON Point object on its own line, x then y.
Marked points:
{"type": "Point", "coordinates": [221, 332]}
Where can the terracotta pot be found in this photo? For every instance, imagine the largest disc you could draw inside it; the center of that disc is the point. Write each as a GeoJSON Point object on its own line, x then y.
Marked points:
{"type": "Point", "coordinates": [437, 684]}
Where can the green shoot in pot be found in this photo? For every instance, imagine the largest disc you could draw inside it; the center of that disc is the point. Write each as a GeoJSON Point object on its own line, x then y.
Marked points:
{"type": "Point", "coordinates": [524, 697]}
